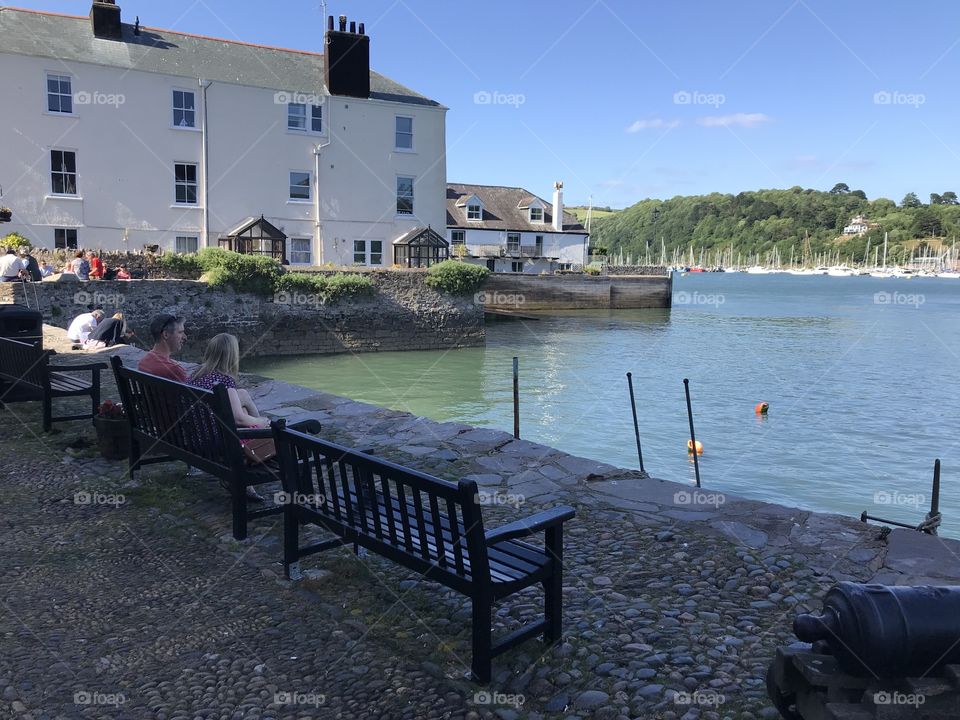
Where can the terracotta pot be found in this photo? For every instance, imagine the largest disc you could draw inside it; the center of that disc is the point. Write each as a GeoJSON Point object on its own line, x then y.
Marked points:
{"type": "Point", "coordinates": [113, 437]}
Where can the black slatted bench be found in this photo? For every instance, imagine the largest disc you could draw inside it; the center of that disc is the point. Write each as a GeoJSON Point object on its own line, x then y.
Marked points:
{"type": "Point", "coordinates": [169, 420]}
{"type": "Point", "coordinates": [432, 526]}
{"type": "Point", "coordinates": [31, 377]}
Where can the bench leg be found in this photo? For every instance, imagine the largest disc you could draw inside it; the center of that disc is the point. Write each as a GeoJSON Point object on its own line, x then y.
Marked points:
{"type": "Point", "coordinates": [239, 504]}
{"type": "Point", "coordinates": [134, 457]}
{"type": "Point", "coordinates": [47, 412]}
{"type": "Point", "coordinates": [481, 639]}
{"type": "Point", "coordinates": [553, 588]}
{"type": "Point", "coordinates": [291, 544]}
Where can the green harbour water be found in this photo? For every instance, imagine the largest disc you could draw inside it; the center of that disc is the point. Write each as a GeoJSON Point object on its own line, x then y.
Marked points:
{"type": "Point", "coordinates": [862, 376]}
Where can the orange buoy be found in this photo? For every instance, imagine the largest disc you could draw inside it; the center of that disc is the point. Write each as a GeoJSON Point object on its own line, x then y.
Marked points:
{"type": "Point", "coordinates": [761, 408]}
{"type": "Point", "coordinates": [690, 447]}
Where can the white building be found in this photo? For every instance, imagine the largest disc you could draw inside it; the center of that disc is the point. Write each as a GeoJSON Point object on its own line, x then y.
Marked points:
{"type": "Point", "coordinates": [857, 226]}
{"type": "Point", "coordinates": [117, 136]}
{"type": "Point", "coordinates": [510, 229]}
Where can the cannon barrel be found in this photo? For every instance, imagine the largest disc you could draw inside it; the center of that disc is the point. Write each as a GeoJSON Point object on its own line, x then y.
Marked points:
{"type": "Point", "coordinates": [887, 631]}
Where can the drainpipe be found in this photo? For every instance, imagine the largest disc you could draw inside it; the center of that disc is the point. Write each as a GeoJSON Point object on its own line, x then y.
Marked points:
{"type": "Point", "coordinates": [316, 181]}
{"type": "Point", "coordinates": [204, 84]}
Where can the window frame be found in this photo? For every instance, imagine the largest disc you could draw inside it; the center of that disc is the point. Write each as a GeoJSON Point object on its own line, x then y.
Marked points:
{"type": "Point", "coordinates": [290, 106]}
{"type": "Point", "coordinates": [290, 186]}
{"type": "Point", "coordinates": [371, 252]}
{"type": "Point", "coordinates": [539, 220]}
{"type": "Point", "coordinates": [48, 74]}
{"type": "Point", "coordinates": [511, 245]}
{"type": "Point", "coordinates": [64, 173]}
{"type": "Point", "coordinates": [516, 266]}
{"type": "Point", "coordinates": [479, 213]}
{"type": "Point", "coordinates": [178, 238]}
{"type": "Point", "coordinates": [312, 115]}
{"type": "Point", "coordinates": [455, 241]}
{"type": "Point", "coordinates": [412, 197]}
{"type": "Point", "coordinates": [187, 184]}
{"type": "Point", "coordinates": [397, 133]}
{"type": "Point", "coordinates": [362, 252]}
{"type": "Point", "coordinates": [66, 239]}
{"type": "Point", "coordinates": [294, 252]}
{"type": "Point", "coordinates": [174, 109]}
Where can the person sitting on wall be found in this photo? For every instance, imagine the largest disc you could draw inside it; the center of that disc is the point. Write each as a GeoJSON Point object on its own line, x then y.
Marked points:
{"type": "Point", "coordinates": [30, 264]}
{"type": "Point", "coordinates": [10, 266]}
{"type": "Point", "coordinates": [110, 332]}
{"type": "Point", "coordinates": [96, 266]}
{"type": "Point", "coordinates": [168, 338]}
{"type": "Point", "coordinates": [80, 266]}
{"type": "Point", "coordinates": [82, 325]}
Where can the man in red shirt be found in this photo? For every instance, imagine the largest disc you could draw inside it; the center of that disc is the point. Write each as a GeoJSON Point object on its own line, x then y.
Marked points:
{"type": "Point", "coordinates": [96, 266]}
{"type": "Point", "coordinates": [168, 338]}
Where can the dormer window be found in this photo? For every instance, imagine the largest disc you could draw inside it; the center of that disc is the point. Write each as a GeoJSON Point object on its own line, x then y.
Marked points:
{"type": "Point", "coordinates": [536, 215]}
{"type": "Point", "coordinates": [474, 212]}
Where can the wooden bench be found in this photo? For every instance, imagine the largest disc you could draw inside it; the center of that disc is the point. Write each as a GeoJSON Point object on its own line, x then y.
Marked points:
{"type": "Point", "coordinates": [170, 420]}
{"type": "Point", "coordinates": [26, 367]}
{"type": "Point", "coordinates": [432, 526]}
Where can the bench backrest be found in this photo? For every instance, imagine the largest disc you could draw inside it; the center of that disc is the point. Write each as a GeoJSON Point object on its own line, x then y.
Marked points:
{"type": "Point", "coordinates": [187, 422]}
{"type": "Point", "coordinates": [418, 520]}
{"type": "Point", "coordinates": [24, 364]}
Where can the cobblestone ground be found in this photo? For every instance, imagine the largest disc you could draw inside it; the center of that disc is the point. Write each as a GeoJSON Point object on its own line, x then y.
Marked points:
{"type": "Point", "coordinates": [125, 599]}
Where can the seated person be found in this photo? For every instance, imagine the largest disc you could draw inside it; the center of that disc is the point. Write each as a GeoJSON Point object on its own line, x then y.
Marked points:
{"type": "Point", "coordinates": [82, 325]}
{"type": "Point", "coordinates": [221, 365]}
{"type": "Point", "coordinates": [122, 273]}
{"type": "Point", "coordinates": [168, 338]}
{"type": "Point", "coordinates": [110, 332]}
{"type": "Point", "coordinates": [96, 266]}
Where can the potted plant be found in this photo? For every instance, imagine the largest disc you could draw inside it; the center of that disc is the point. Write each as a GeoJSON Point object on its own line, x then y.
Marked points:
{"type": "Point", "coordinates": [113, 432]}
{"type": "Point", "coordinates": [5, 214]}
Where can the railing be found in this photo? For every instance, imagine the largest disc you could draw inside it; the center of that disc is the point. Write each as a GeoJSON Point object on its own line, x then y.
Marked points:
{"type": "Point", "coordinates": [518, 251]}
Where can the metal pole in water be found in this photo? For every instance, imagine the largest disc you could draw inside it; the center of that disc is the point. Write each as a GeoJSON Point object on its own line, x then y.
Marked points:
{"type": "Point", "coordinates": [636, 428]}
{"type": "Point", "coordinates": [693, 437]}
{"type": "Point", "coordinates": [935, 498]}
{"type": "Point", "coordinates": [516, 397]}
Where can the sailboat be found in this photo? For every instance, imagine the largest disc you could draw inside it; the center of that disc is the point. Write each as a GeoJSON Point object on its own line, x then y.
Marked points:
{"type": "Point", "coordinates": [883, 272]}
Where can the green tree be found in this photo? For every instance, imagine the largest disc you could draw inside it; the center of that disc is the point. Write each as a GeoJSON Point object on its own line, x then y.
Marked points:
{"type": "Point", "coordinates": [910, 200]}
{"type": "Point", "coordinates": [936, 199]}
{"type": "Point", "coordinates": [949, 198]}
{"type": "Point", "coordinates": [840, 189]}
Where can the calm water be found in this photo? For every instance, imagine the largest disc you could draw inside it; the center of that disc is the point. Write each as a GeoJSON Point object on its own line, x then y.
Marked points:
{"type": "Point", "coordinates": [862, 376]}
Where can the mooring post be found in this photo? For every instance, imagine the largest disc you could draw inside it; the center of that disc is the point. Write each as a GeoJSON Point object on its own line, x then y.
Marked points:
{"type": "Point", "coordinates": [516, 397]}
{"type": "Point", "coordinates": [636, 428]}
{"type": "Point", "coordinates": [693, 437]}
{"type": "Point", "coordinates": [934, 517]}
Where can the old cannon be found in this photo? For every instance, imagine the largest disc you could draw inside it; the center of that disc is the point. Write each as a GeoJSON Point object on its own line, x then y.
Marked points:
{"type": "Point", "coordinates": [876, 652]}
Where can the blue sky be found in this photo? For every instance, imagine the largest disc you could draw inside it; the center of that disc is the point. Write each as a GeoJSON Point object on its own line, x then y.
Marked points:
{"type": "Point", "coordinates": [624, 100]}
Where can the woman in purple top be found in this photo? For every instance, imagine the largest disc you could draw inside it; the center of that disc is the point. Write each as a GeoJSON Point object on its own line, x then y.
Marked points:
{"type": "Point", "coordinates": [221, 365]}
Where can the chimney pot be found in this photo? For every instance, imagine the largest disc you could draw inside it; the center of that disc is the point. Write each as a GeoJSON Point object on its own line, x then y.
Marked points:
{"type": "Point", "coordinates": [361, 29]}
{"type": "Point", "coordinates": [353, 26]}
{"type": "Point", "coordinates": [330, 22]}
{"type": "Point", "coordinates": [343, 23]}
{"type": "Point", "coordinates": [346, 61]}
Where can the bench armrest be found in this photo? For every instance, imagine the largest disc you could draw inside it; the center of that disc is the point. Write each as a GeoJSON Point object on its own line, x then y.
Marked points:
{"type": "Point", "coordinates": [254, 433]}
{"type": "Point", "coordinates": [530, 525]}
{"type": "Point", "coordinates": [71, 368]}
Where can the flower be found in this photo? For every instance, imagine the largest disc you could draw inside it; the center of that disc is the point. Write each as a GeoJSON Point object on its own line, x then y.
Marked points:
{"type": "Point", "coordinates": [110, 409]}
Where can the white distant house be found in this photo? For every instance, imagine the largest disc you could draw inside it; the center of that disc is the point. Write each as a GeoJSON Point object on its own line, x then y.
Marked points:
{"type": "Point", "coordinates": [118, 136]}
{"type": "Point", "coordinates": [857, 226]}
{"type": "Point", "coordinates": [509, 229]}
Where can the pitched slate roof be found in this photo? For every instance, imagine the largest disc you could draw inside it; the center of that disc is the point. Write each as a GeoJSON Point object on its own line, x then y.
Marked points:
{"type": "Point", "coordinates": [503, 209]}
{"type": "Point", "coordinates": [70, 38]}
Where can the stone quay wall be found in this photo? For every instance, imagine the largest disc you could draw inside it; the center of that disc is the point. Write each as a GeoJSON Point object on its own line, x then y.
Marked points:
{"type": "Point", "coordinates": [402, 314]}
{"type": "Point", "coordinates": [517, 291]}
{"type": "Point", "coordinates": [635, 270]}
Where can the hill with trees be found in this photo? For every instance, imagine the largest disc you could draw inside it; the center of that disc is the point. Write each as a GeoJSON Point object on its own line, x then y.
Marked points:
{"type": "Point", "coordinates": [757, 223]}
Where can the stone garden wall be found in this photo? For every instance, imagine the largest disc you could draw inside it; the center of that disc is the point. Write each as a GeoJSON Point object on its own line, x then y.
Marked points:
{"type": "Point", "coordinates": [402, 314]}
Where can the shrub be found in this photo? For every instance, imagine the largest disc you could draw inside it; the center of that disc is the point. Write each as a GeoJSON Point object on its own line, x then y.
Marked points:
{"type": "Point", "coordinates": [212, 257]}
{"type": "Point", "coordinates": [181, 265]}
{"type": "Point", "coordinates": [343, 286]}
{"type": "Point", "coordinates": [329, 288]}
{"type": "Point", "coordinates": [591, 269]}
{"type": "Point", "coordinates": [455, 277]}
{"type": "Point", "coordinates": [15, 240]}
{"type": "Point", "coordinates": [244, 273]}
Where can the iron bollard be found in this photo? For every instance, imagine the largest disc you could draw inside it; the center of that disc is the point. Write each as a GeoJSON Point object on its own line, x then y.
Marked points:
{"type": "Point", "coordinates": [887, 631]}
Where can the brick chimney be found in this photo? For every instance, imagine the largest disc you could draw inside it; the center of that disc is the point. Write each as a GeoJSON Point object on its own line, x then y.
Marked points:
{"type": "Point", "coordinates": [105, 19]}
{"type": "Point", "coordinates": [346, 60]}
{"type": "Point", "coordinates": [558, 206]}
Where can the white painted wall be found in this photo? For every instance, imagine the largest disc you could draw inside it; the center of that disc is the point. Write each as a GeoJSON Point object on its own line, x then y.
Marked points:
{"type": "Point", "coordinates": [126, 153]}
{"type": "Point", "coordinates": [569, 247]}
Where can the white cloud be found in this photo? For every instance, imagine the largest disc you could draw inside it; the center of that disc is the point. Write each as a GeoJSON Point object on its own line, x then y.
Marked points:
{"type": "Point", "coordinates": [747, 120]}
{"type": "Point", "coordinates": [652, 124]}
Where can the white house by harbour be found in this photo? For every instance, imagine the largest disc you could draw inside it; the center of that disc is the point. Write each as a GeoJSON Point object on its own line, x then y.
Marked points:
{"type": "Point", "coordinates": [509, 229]}
{"type": "Point", "coordinates": [118, 136]}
